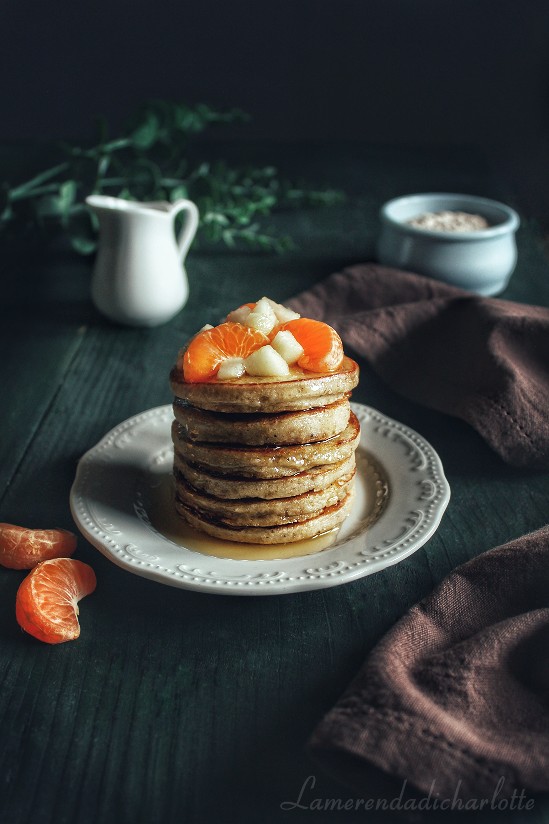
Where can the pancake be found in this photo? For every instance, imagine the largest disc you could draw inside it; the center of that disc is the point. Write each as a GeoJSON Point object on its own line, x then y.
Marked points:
{"type": "Point", "coordinates": [278, 428]}
{"type": "Point", "coordinates": [327, 519]}
{"type": "Point", "coordinates": [301, 390]}
{"type": "Point", "coordinates": [232, 488]}
{"type": "Point", "coordinates": [259, 512]}
{"type": "Point", "coordinates": [264, 460]}
{"type": "Point", "coordinates": [267, 462]}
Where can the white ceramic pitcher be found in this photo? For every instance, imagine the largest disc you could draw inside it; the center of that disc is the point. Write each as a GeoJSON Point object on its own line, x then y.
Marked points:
{"type": "Point", "coordinates": [139, 276]}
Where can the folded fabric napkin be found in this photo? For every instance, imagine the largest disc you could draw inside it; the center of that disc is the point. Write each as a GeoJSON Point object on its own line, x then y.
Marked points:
{"type": "Point", "coordinates": [481, 359]}
{"type": "Point", "coordinates": [457, 693]}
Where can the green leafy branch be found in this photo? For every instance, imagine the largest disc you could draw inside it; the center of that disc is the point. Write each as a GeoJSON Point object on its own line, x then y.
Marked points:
{"type": "Point", "coordinates": [151, 161]}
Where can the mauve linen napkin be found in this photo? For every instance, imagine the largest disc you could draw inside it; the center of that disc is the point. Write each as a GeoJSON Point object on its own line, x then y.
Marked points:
{"type": "Point", "coordinates": [457, 693]}
{"type": "Point", "coordinates": [482, 359]}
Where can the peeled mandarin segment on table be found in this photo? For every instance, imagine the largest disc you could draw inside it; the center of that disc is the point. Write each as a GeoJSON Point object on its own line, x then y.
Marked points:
{"type": "Point", "coordinates": [22, 548]}
{"type": "Point", "coordinates": [263, 415]}
{"type": "Point", "coordinates": [47, 600]}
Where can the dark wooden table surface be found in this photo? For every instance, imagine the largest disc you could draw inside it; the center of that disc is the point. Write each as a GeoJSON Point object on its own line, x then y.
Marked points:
{"type": "Point", "coordinates": [177, 706]}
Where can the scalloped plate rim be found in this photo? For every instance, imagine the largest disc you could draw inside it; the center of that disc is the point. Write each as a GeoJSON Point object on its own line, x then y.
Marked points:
{"type": "Point", "coordinates": [262, 577]}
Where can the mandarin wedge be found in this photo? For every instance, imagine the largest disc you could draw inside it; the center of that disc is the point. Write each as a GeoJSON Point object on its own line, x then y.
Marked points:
{"type": "Point", "coordinates": [208, 349]}
{"type": "Point", "coordinates": [22, 548]}
{"type": "Point", "coordinates": [322, 346]}
{"type": "Point", "coordinates": [46, 605]}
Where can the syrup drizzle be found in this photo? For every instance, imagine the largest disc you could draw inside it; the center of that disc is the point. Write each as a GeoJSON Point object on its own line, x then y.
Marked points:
{"type": "Point", "coordinates": [371, 495]}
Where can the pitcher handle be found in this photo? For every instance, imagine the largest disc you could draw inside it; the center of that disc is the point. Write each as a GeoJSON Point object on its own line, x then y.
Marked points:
{"type": "Point", "coordinates": [190, 224]}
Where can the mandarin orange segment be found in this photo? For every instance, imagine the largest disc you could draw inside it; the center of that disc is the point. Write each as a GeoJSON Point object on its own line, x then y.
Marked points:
{"type": "Point", "coordinates": [209, 348]}
{"type": "Point", "coordinates": [22, 548]}
{"type": "Point", "coordinates": [46, 605]}
{"type": "Point", "coordinates": [323, 349]}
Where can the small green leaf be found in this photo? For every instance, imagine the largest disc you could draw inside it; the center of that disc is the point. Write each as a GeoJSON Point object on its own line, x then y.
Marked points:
{"type": "Point", "coordinates": [83, 245]}
{"type": "Point", "coordinates": [228, 237]}
{"type": "Point", "coordinates": [146, 134]}
{"type": "Point", "coordinates": [203, 170]}
{"type": "Point", "coordinates": [67, 195]}
{"type": "Point", "coordinates": [103, 166]}
{"type": "Point", "coordinates": [178, 192]}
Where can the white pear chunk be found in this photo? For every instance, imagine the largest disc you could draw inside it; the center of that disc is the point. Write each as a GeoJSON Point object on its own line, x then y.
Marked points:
{"type": "Point", "coordinates": [287, 346]}
{"type": "Point", "coordinates": [205, 328]}
{"type": "Point", "coordinates": [239, 315]}
{"type": "Point", "coordinates": [262, 317]}
{"type": "Point", "coordinates": [266, 362]}
{"type": "Point", "coordinates": [231, 368]}
{"type": "Point", "coordinates": [282, 313]}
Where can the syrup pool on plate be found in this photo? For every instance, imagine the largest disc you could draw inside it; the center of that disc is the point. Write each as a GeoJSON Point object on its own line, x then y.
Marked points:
{"type": "Point", "coordinates": [370, 497]}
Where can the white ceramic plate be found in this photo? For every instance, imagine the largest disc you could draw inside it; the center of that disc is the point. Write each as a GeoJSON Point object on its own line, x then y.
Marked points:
{"type": "Point", "coordinates": [123, 483]}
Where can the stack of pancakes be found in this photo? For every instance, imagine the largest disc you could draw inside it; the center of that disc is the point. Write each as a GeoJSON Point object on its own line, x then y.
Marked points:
{"type": "Point", "coordinates": [265, 460]}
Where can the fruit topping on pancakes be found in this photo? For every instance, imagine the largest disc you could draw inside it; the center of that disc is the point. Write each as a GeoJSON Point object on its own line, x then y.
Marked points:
{"type": "Point", "coordinates": [262, 339]}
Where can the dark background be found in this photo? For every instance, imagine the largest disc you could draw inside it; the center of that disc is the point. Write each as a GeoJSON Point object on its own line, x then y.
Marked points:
{"type": "Point", "coordinates": [407, 72]}
{"type": "Point", "coordinates": [170, 705]}
{"type": "Point", "coordinates": [382, 70]}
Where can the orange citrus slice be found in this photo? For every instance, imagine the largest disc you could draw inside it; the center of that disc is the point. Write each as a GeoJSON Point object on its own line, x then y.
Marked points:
{"type": "Point", "coordinates": [22, 548]}
{"type": "Point", "coordinates": [46, 605]}
{"type": "Point", "coordinates": [207, 350]}
{"type": "Point", "coordinates": [323, 349]}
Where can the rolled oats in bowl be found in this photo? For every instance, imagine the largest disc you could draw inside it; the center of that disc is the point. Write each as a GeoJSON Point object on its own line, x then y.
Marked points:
{"type": "Point", "coordinates": [464, 240]}
{"type": "Point", "coordinates": [449, 221]}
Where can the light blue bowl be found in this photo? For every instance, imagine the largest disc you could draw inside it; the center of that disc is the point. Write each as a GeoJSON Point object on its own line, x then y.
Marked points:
{"type": "Point", "coordinates": [481, 261]}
